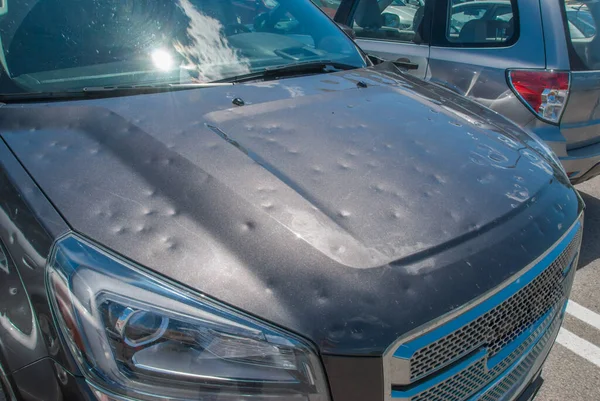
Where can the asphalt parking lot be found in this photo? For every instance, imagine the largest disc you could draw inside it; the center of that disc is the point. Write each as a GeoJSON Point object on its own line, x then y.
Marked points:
{"type": "Point", "coordinates": [572, 371]}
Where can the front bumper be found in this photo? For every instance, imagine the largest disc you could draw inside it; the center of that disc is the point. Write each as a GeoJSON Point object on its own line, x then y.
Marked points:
{"type": "Point", "coordinates": [477, 374]}
{"type": "Point", "coordinates": [527, 389]}
{"type": "Point", "coordinates": [531, 391]}
{"type": "Point", "coordinates": [54, 383]}
{"type": "Point", "coordinates": [507, 375]}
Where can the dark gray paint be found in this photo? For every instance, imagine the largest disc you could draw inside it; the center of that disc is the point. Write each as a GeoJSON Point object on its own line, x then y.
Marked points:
{"type": "Point", "coordinates": [45, 380]}
{"type": "Point", "coordinates": [355, 378]}
{"type": "Point", "coordinates": [28, 226]}
{"type": "Point", "coordinates": [315, 213]}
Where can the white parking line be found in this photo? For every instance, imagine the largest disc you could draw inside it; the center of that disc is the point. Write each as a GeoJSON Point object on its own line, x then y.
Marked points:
{"type": "Point", "coordinates": [584, 314]}
{"type": "Point", "coordinates": [578, 345]}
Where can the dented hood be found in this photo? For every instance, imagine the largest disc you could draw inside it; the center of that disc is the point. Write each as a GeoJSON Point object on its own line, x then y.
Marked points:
{"type": "Point", "coordinates": [348, 214]}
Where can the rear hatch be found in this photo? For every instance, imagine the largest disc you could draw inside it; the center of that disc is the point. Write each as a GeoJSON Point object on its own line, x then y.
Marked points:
{"type": "Point", "coordinates": [580, 124]}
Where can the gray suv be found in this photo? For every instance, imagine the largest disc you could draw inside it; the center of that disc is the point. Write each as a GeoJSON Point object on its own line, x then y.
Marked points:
{"type": "Point", "coordinates": [534, 61]}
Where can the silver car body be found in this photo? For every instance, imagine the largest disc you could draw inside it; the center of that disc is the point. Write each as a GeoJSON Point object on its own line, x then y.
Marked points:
{"type": "Point", "coordinates": [480, 73]}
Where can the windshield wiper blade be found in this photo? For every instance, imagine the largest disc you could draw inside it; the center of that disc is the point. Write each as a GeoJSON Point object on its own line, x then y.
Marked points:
{"type": "Point", "coordinates": [94, 92]}
{"type": "Point", "coordinates": [154, 88]}
{"type": "Point", "coordinates": [39, 96]}
{"type": "Point", "coordinates": [290, 70]}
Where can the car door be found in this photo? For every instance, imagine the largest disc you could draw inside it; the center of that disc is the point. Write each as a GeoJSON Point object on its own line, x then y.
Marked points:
{"type": "Point", "coordinates": [395, 30]}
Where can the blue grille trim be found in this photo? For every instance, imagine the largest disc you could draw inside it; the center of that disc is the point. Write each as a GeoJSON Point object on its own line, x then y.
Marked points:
{"type": "Point", "coordinates": [407, 350]}
{"type": "Point", "coordinates": [482, 354]}
{"type": "Point", "coordinates": [501, 377]}
{"type": "Point", "coordinates": [508, 370]}
{"type": "Point", "coordinates": [440, 378]}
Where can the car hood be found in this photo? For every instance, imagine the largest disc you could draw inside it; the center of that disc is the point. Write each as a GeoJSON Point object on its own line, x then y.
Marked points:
{"type": "Point", "coordinates": [345, 213]}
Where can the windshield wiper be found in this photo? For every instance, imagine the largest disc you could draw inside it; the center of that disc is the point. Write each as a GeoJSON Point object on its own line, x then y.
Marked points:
{"type": "Point", "coordinates": [290, 70]}
{"type": "Point", "coordinates": [95, 92]}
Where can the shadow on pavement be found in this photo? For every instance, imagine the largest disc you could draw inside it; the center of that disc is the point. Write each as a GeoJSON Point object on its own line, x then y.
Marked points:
{"type": "Point", "coordinates": [590, 250]}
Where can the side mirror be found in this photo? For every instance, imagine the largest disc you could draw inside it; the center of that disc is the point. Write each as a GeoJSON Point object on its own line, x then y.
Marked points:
{"type": "Point", "coordinates": [391, 20]}
{"type": "Point", "coordinates": [347, 30]}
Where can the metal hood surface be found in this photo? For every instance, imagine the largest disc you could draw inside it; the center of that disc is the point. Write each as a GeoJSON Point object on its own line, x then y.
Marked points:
{"type": "Point", "coordinates": [345, 213]}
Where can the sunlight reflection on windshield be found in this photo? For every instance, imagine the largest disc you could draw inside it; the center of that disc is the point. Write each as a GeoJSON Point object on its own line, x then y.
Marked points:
{"type": "Point", "coordinates": [208, 56]}
{"type": "Point", "coordinates": [162, 60]}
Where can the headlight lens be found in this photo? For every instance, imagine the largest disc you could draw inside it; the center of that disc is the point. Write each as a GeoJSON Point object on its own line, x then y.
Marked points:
{"type": "Point", "coordinates": [137, 336]}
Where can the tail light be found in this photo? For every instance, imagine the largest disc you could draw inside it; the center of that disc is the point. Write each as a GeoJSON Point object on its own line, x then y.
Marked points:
{"type": "Point", "coordinates": [544, 92]}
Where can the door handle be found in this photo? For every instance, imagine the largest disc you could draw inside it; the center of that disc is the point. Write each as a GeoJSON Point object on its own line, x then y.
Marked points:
{"type": "Point", "coordinates": [406, 64]}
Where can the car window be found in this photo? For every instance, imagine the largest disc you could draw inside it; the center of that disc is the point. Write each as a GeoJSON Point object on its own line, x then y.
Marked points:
{"type": "Point", "coordinates": [463, 14]}
{"type": "Point", "coordinates": [393, 20]}
{"type": "Point", "coordinates": [504, 13]}
{"type": "Point", "coordinates": [575, 32]}
{"type": "Point", "coordinates": [581, 19]}
{"type": "Point", "coordinates": [54, 45]}
{"type": "Point", "coordinates": [485, 22]}
{"type": "Point", "coordinates": [328, 6]}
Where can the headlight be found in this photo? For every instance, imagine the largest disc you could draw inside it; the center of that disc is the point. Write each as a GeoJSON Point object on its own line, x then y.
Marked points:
{"type": "Point", "coordinates": [135, 335]}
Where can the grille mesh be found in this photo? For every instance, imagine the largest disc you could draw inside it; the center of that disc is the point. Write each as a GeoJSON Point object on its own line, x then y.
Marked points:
{"type": "Point", "coordinates": [457, 387]}
{"type": "Point", "coordinates": [475, 377]}
{"type": "Point", "coordinates": [501, 325]}
{"type": "Point", "coordinates": [516, 376]}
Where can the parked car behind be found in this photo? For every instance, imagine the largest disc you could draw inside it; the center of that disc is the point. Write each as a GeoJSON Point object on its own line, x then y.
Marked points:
{"type": "Point", "coordinates": [535, 62]}
{"type": "Point", "coordinates": [402, 10]}
{"type": "Point", "coordinates": [329, 6]}
{"type": "Point", "coordinates": [193, 207]}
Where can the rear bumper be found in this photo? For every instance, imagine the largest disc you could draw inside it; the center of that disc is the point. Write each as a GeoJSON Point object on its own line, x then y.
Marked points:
{"type": "Point", "coordinates": [583, 163]}
{"type": "Point", "coordinates": [585, 167]}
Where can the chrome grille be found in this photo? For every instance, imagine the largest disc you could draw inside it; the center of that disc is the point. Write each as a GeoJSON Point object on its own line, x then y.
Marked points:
{"type": "Point", "coordinates": [476, 376]}
{"type": "Point", "coordinates": [495, 343]}
{"type": "Point", "coordinates": [458, 387]}
{"type": "Point", "coordinates": [519, 373]}
{"type": "Point", "coordinates": [504, 323]}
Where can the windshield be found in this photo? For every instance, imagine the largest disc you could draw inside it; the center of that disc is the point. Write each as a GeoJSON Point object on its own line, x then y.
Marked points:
{"type": "Point", "coordinates": [63, 45]}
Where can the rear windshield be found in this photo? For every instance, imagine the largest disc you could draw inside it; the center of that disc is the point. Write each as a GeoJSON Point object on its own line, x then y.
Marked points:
{"type": "Point", "coordinates": [59, 45]}
{"type": "Point", "coordinates": [582, 20]}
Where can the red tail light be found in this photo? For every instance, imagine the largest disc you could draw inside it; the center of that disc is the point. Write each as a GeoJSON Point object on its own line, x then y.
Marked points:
{"type": "Point", "coordinates": [544, 92]}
